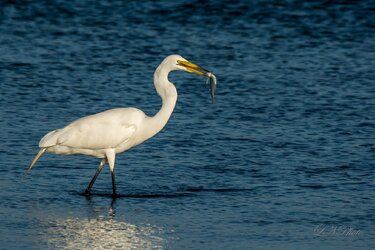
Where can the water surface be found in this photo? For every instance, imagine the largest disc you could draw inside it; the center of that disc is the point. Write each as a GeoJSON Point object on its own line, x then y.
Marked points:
{"type": "Point", "coordinates": [284, 160]}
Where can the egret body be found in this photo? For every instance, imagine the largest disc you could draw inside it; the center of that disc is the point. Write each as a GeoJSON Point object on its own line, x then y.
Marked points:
{"type": "Point", "coordinates": [106, 134]}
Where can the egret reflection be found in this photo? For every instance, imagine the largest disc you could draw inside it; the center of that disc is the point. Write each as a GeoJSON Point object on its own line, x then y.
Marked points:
{"type": "Point", "coordinates": [102, 232]}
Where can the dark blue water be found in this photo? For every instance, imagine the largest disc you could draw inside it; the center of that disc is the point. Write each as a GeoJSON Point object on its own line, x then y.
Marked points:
{"type": "Point", "coordinates": [284, 160]}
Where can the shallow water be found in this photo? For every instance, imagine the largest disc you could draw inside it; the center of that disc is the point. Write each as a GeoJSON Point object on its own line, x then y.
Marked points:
{"type": "Point", "coordinates": [284, 159]}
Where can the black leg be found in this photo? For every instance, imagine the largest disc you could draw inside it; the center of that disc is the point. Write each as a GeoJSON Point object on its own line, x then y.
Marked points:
{"type": "Point", "coordinates": [111, 155]}
{"type": "Point", "coordinates": [101, 165]}
{"type": "Point", "coordinates": [114, 194]}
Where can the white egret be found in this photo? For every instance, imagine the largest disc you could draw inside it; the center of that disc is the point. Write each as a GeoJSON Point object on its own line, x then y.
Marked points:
{"type": "Point", "coordinates": [114, 131]}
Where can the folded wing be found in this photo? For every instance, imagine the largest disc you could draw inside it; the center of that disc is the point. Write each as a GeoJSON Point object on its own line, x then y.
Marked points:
{"type": "Point", "coordinates": [90, 135]}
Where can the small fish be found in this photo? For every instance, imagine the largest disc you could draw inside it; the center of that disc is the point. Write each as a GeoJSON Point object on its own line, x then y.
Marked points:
{"type": "Point", "coordinates": [213, 83]}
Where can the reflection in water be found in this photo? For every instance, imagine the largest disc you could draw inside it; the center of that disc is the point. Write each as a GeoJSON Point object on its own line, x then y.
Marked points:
{"type": "Point", "coordinates": [101, 232]}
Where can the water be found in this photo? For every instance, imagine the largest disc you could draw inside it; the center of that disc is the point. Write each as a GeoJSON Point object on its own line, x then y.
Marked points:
{"type": "Point", "coordinates": [283, 160]}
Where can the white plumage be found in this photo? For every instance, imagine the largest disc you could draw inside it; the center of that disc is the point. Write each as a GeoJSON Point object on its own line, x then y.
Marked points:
{"type": "Point", "coordinates": [111, 129]}
{"type": "Point", "coordinates": [114, 131]}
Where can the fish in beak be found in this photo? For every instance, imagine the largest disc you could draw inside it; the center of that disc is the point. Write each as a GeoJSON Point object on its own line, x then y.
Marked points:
{"type": "Point", "coordinates": [193, 68]}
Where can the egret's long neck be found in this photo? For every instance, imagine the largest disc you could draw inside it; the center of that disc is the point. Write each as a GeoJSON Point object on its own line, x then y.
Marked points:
{"type": "Point", "coordinates": [168, 93]}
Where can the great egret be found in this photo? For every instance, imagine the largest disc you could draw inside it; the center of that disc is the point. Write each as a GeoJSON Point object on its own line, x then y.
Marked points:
{"type": "Point", "coordinates": [114, 131]}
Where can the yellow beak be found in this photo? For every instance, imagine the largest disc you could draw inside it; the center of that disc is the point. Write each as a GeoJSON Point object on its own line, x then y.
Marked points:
{"type": "Point", "coordinates": [193, 68]}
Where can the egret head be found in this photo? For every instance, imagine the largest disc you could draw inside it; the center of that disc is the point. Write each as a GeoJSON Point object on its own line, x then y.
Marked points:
{"type": "Point", "coordinates": [185, 65]}
{"type": "Point", "coordinates": [177, 62]}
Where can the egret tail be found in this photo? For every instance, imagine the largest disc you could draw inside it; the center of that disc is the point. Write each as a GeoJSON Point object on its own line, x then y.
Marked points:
{"type": "Point", "coordinates": [41, 151]}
